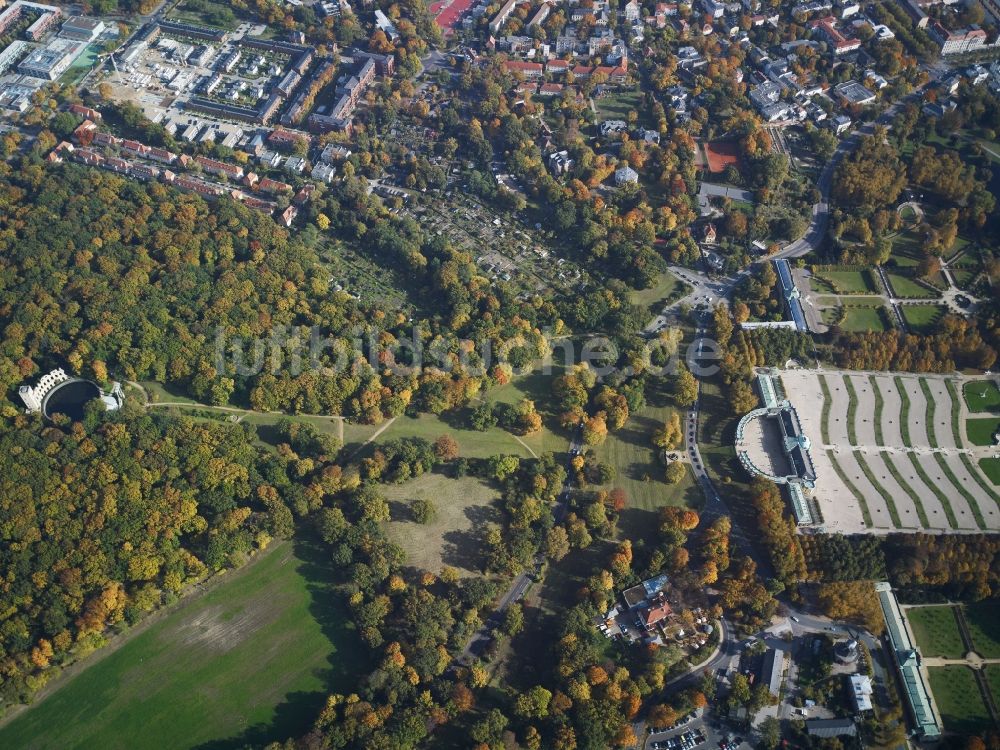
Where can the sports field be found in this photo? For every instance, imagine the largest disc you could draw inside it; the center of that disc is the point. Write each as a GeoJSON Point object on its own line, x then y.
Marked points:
{"type": "Point", "coordinates": [248, 662]}
{"type": "Point", "coordinates": [935, 630]}
{"type": "Point", "coordinates": [720, 154]}
{"type": "Point", "coordinates": [958, 698]}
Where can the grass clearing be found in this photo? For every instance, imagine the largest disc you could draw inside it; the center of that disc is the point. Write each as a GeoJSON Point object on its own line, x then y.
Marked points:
{"type": "Point", "coordinates": [908, 288]}
{"type": "Point", "coordinates": [981, 430]}
{"type": "Point", "coordinates": [983, 619]}
{"type": "Point", "coordinates": [860, 315]}
{"type": "Point", "coordinates": [639, 471]}
{"type": "Point", "coordinates": [991, 468]}
{"type": "Point", "coordinates": [848, 282]}
{"type": "Point", "coordinates": [617, 106]}
{"type": "Point", "coordinates": [249, 662]}
{"type": "Point", "coordinates": [655, 298]}
{"type": "Point", "coordinates": [959, 700]}
{"type": "Point", "coordinates": [992, 674]}
{"type": "Point", "coordinates": [205, 13]}
{"type": "Point", "coordinates": [936, 632]}
{"type": "Point", "coordinates": [923, 318]}
{"type": "Point", "coordinates": [454, 536]}
{"type": "Point", "coordinates": [981, 395]}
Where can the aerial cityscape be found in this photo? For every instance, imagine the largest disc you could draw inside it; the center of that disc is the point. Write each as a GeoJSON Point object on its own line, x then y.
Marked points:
{"type": "Point", "coordinates": [500, 374]}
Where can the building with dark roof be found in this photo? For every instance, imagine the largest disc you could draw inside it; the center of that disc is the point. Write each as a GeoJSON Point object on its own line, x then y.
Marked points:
{"type": "Point", "coordinates": [772, 671]}
{"type": "Point", "coordinates": [831, 727]}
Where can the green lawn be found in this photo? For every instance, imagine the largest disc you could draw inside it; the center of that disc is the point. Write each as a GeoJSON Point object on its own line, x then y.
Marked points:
{"type": "Point", "coordinates": [848, 282]}
{"type": "Point", "coordinates": [453, 537]}
{"type": "Point", "coordinates": [981, 431]}
{"type": "Point", "coordinates": [205, 13]}
{"type": "Point", "coordinates": [865, 318]}
{"type": "Point", "coordinates": [992, 672]}
{"type": "Point", "coordinates": [655, 297]}
{"type": "Point", "coordinates": [617, 106]}
{"type": "Point", "coordinates": [936, 631]}
{"type": "Point", "coordinates": [959, 700]}
{"type": "Point", "coordinates": [991, 468]}
{"type": "Point", "coordinates": [471, 443]}
{"type": "Point", "coordinates": [981, 395]}
{"type": "Point", "coordinates": [907, 288]}
{"type": "Point", "coordinates": [922, 318]}
{"type": "Point", "coordinates": [247, 663]}
{"type": "Point", "coordinates": [157, 393]}
{"type": "Point", "coordinates": [639, 472]}
{"type": "Point", "coordinates": [964, 276]}
{"type": "Point", "coordinates": [983, 619]}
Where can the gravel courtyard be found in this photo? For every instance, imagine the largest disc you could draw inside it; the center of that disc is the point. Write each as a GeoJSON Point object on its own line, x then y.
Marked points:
{"type": "Point", "coordinates": [889, 452]}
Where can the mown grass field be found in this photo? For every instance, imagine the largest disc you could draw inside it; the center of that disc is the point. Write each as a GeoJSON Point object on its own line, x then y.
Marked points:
{"type": "Point", "coordinates": [859, 316]}
{"type": "Point", "coordinates": [848, 282]}
{"type": "Point", "coordinates": [981, 395]}
{"type": "Point", "coordinates": [654, 297]}
{"type": "Point", "coordinates": [991, 468]}
{"type": "Point", "coordinates": [617, 106]}
{"type": "Point", "coordinates": [248, 662]}
{"type": "Point", "coordinates": [922, 318]}
{"type": "Point", "coordinates": [959, 700]}
{"type": "Point", "coordinates": [992, 672]}
{"type": "Point", "coordinates": [983, 619]}
{"type": "Point", "coordinates": [463, 508]}
{"type": "Point", "coordinates": [935, 630]}
{"type": "Point", "coordinates": [982, 429]}
{"type": "Point", "coordinates": [905, 287]}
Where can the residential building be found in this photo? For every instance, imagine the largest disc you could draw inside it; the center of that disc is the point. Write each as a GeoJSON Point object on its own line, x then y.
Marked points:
{"type": "Point", "coordinates": [839, 43]}
{"type": "Point", "coordinates": [860, 691]}
{"type": "Point", "coordinates": [626, 176]}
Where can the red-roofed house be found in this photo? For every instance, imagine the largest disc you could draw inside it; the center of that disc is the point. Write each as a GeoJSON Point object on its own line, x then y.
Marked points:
{"type": "Point", "coordinates": [656, 613]}
{"type": "Point", "coordinates": [90, 114]}
{"type": "Point", "coordinates": [556, 67]}
{"type": "Point", "coordinates": [273, 186]}
{"type": "Point", "coordinates": [84, 132]}
{"type": "Point", "coordinates": [219, 167]}
{"type": "Point", "coordinates": [840, 43]}
{"type": "Point", "coordinates": [526, 69]}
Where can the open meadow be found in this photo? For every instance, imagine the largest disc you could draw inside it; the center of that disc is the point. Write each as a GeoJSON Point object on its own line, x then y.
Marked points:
{"type": "Point", "coordinates": [249, 661]}
{"type": "Point", "coordinates": [959, 700]}
{"type": "Point", "coordinates": [935, 630]}
{"type": "Point", "coordinates": [454, 535]}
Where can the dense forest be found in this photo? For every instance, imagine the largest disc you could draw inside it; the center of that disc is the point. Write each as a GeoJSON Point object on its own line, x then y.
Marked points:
{"type": "Point", "coordinates": [104, 520]}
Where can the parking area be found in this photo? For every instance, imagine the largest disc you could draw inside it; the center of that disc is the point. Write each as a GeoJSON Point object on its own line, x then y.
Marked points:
{"type": "Point", "coordinates": [695, 731]}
